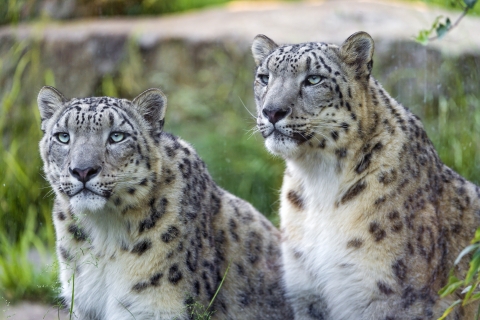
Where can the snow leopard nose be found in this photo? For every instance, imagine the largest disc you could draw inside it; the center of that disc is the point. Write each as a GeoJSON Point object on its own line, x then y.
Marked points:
{"type": "Point", "coordinates": [275, 114]}
{"type": "Point", "coordinates": [86, 174]}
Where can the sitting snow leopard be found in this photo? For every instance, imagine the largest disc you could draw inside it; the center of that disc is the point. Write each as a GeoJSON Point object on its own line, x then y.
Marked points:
{"type": "Point", "coordinates": [142, 230]}
{"type": "Point", "coordinates": [371, 219]}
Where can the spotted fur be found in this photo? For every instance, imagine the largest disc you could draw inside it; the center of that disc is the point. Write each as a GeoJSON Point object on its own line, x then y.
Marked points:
{"type": "Point", "coordinates": [372, 220]}
{"type": "Point", "coordinates": [142, 230]}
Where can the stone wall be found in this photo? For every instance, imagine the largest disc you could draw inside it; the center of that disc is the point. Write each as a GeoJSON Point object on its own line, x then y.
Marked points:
{"type": "Point", "coordinates": [81, 53]}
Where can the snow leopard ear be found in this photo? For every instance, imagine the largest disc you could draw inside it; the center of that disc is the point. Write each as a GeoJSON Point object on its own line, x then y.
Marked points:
{"type": "Point", "coordinates": [49, 100]}
{"type": "Point", "coordinates": [262, 46]}
{"type": "Point", "coordinates": [151, 104]}
{"type": "Point", "coordinates": [357, 51]}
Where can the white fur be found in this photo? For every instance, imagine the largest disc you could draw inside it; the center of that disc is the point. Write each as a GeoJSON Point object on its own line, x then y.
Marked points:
{"type": "Point", "coordinates": [287, 147]}
{"type": "Point", "coordinates": [108, 278]}
{"type": "Point", "coordinates": [321, 233]}
{"type": "Point", "coordinates": [87, 202]}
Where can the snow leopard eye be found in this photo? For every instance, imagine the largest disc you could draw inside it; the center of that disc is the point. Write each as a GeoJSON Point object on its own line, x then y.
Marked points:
{"type": "Point", "coordinates": [263, 78]}
{"type": "Point", "coordinates": [63, 137]}
{"type": "Point", "coordinates": [313, 80]}
{"type": "Point", "coordinates": [116, 137]}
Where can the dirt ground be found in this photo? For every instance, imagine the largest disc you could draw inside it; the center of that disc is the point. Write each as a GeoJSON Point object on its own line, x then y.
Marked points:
{"type": "Point", "coordinates": [31, 311]}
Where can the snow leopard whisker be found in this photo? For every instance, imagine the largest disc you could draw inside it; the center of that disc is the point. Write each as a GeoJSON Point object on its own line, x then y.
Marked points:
{"type": "Point", "coordinates": [327, 138]}
{"type": "Point", "coordinates": [49, 193]}
{"type": "Point", "coordinates": [306, 137]}
{"type": "Point", "coordinates": [251, 132]}
{"type": "Point", "coordinates": [254, 129]}
{"type": "Point", "coordinates": [253, 116]}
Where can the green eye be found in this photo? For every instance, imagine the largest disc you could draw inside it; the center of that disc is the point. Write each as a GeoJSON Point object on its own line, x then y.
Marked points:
{"type": "Point", "coordinates": [264, 78]}
{"type": "Point", "coordinates": [116, 137]}
{"type": "Point", "coordinates": [312, 80]}
{"type": "Point", "coordinates": [63, 137]}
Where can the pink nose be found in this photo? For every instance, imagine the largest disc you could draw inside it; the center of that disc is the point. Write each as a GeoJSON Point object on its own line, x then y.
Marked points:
{"type": "Point", "coordinates": [274, 115]}
{"type": "Point", "coordinates": [86, 174]}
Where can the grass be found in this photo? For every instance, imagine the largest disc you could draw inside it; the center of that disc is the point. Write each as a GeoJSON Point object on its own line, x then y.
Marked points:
{"type": "Point", "coordinates": [19, 277]}
{"type": "Point", "coordinates": [198, 311]}
{"type": "Point", "coordinates": [25, 223]}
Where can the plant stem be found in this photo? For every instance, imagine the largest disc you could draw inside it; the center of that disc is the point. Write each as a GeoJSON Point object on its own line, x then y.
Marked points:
{"type": "Point", "coordinates": [464, 13]}
{"type": "Point", "coordinates": [73, 290]}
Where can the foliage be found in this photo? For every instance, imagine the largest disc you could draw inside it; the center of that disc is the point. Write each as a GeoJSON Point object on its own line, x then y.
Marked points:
{"type": "Point", "coordinates": [25, 224]}
{"type": "Point", "coordinates": [14, 11]}
{"type": "Point", "coordinates": [470, 283]}
{"type": "Point", "coordinates": [441, 28]}
{"type": "Point", "coordinates": [21, 277]}
{"type": "Point", "coordinates": [141, 7]}
{"type": "Point", "coordinates": [442, 25]}
{"type": "Point", "coordinates": [20, 165]}
{"type": "Point", "coordinates": [456, 5]}
{"type": "Point", "coordinates": [198, 311]}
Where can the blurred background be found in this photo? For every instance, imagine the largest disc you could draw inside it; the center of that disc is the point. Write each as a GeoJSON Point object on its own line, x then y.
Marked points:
{"type": "Point", "coordinates": [197, 52]}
